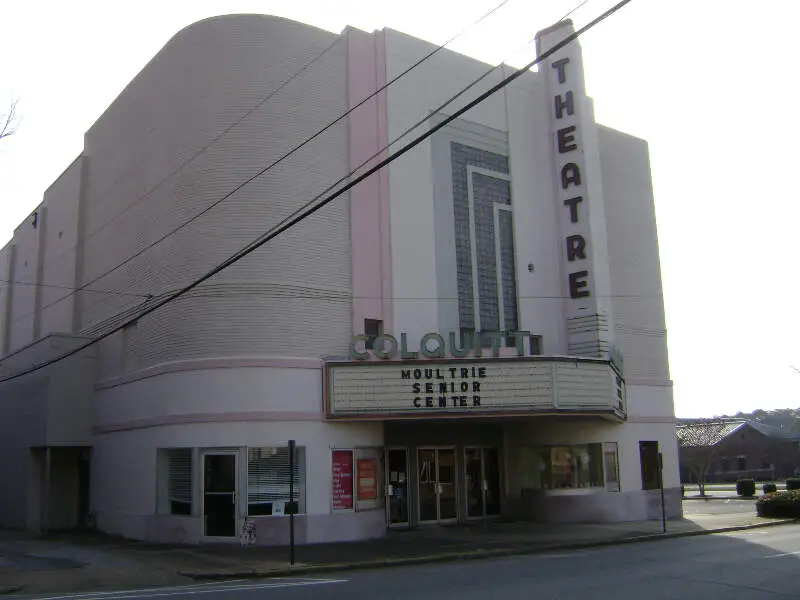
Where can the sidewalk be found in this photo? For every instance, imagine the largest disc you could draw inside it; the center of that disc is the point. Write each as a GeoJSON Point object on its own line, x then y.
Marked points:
{"type": "Point", "coordinates": [93, 562]}
{"type": "Point", "coordinates": [459, 542]}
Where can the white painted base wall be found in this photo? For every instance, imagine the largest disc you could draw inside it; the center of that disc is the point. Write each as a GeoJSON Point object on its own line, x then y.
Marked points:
{"type": "Point", "coordinates": [125, 468]}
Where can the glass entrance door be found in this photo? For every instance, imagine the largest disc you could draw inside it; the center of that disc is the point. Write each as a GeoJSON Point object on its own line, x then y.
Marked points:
{"type": "Point", "coordinates": [482, 470]}
{"type": "Point", "coordinates": [437, 484]}
{"type": "Point", "coordinates": [397, 486]}
{"type": "Point", "coordinates": [219, 495]}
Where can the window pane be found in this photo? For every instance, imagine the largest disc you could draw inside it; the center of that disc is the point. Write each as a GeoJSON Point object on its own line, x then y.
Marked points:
{"type": "Point", "coordinates": [372, 329]}
{"type": "Point", "coordinates": [562, 463]}
{"type": "Point", "coordinates": [563, 467]}
{"type": "Point", "coordinates": [648, 456]}
{"type": "Point", "coordinates": [179, 482]}
{"type": "Point", "coordinates": [594, 468]}
{"type": "Point", "coordinates": [268, 480]}
{"type": "Point", "coordinates": [612, 467]}
{"type": "Point", "coordinates": [507, 269]}
{"type": "Point", "coordinates": [175, 481]}
{"type": "Point", "coordinates": [474, 201]}
{"type": "Point", "coordinates": [535, 345]}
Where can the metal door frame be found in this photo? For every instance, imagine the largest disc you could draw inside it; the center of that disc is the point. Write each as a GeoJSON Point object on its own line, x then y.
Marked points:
{"type": "Point", "coordinates": [439, 519]}
{"type": "Point", "coordinates": [386, 475]}
{"type": "Point", "coordinates": [481, 449]}
{"type": "Point", "coordinates": [236, 483]}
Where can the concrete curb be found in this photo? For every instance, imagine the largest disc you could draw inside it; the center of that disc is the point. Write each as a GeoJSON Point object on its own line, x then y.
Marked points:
{"type": "Point", "coordinates": [711, 498]}
{"type": "Point", "coordinates": [469, 555]}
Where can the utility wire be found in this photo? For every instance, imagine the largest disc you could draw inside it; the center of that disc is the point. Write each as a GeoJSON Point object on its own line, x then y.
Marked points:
{"type": "Point", "coordinates": [383, 163]}
{"type": "Point", "coordinates": [276, 162]}
{"type": "Point", "coordinates": [376, 154]}
{"type": "Point", "coordinates": [282, 291]}
{"type": "Point", "coordinates": [202, 150]}
{"type": "Point", "coordinates": [577, 7]}
{"type": "Point", "coordinates": [66, 287]}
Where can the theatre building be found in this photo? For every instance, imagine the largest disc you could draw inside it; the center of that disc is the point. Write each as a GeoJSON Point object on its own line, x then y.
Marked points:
{"type": "Point", "coordinates": [475, 331]}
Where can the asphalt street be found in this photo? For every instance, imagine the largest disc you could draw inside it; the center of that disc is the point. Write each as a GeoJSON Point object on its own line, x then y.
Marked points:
{"type": "Point", "coordinates": [755, 564]}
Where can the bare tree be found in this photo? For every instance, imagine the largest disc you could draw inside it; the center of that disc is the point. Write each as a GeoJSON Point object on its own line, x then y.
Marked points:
{"type": "Point", "coordinates": [9, 121]}
{"type": "Point", "coordinates": [699, 446]}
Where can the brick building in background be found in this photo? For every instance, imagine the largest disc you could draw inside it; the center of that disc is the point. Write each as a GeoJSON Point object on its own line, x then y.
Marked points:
{"type": "Point", "coordinates": [738, 449]}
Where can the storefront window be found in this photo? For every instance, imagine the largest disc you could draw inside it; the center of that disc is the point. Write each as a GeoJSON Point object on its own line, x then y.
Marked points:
{"type": "Point", "coordinates": [648, 457]}
{"type": "Point", "coordinates": [563, 467]}
{"type": "Point", "coordinates": [268, 481]}
{"type": "Point", "coordinates": [612, 467]}
{"type": "Point", "coordinates": [175, 481]}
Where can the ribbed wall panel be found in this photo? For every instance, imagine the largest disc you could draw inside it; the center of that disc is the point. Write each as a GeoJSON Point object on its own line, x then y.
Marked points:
{"type": "Point", "coordinates": [202, 81]}
{"type": "Point", "coordinates": [236, 324]}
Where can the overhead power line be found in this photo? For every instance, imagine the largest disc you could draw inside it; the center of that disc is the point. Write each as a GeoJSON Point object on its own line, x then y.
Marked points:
{"type": "Point", "coordinates": [127, 311]}
{"type": "Point", "coordinates": [272, 165]}
{"type": "Point", "coordinates": [313, 208]}
{"type": "Point", "coordinates": [391, 143]}
{"type": "Point", "coordinates": [197, 154]}
{"type": "Point", "coordinates": [66, 287]}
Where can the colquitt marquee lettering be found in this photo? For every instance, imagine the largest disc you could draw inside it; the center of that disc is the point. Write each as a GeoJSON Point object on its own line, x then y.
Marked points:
{"type": "Point", "coordinates": [570, 178]}
{"type": "Point", "coordinates": [434, 345]}
{"type": "Point", "coordinates": [447, 387]}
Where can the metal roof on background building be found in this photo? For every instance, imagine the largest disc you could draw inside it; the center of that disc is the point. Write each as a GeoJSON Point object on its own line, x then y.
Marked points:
{"type": "Point", "coordinates": [713, 432]}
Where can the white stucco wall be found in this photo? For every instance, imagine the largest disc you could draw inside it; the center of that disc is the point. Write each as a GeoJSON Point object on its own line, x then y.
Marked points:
{"type": "Point", "coordinates": [23, 321]}
{"type": "Point", "coordinates": [536, 235]}
{"type": "Point", "coordinates": [634, 257]}
{"type": "Point", "coordinates": [6, 283]}
{"type": "Point", "coordinates": [223, 392]}
{"type": "Point", "coordinates": [411, 179]}
{"type": "Point", "coordinates": [23, 406]}
{"type": "Point", "coordinates": [60, 251]}
{"type": "Point", "coordinates": [210, 408]}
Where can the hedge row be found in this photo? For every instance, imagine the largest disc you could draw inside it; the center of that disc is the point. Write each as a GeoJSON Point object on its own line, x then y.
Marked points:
{"type": "Point", "coordinates": [782, 505]}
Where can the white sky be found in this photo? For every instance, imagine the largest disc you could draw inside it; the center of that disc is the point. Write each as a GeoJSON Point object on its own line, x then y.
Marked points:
{"type": "Point", "coordinates": [697, 79]}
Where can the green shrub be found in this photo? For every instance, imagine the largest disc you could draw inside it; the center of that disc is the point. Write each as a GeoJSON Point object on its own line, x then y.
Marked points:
{"type": "Point", "coordinates": [793, 483]}
{"type": "Point", "coordinates": [770, 488]}
{"type": "Point", "coordinates": [781, 505]}
{"type": "Point", "coordinates": [746, 487]}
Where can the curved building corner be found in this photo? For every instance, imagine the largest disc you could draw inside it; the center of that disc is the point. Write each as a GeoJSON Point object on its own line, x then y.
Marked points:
{"type": "Point", "coordinates": [454, 339]}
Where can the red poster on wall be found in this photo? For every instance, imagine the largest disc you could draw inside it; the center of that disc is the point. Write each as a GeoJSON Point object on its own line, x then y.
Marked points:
{"type": "Point", "coordinates": [342, 479]}
{"type": "Point", "coordinates": [367, 469]}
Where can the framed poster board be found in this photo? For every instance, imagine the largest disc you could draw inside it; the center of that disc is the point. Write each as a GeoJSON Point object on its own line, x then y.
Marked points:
{"type": "Point", "coordinates": [367, 478]}
{"type": "Point", "coordinates": [342, 479]}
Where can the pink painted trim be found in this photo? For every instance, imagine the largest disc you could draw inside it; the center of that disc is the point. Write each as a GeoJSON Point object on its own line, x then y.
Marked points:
{"type": "Point", "coordinates": [369, 209]}
{"type": "Point", "coordinates": [665, 420]}
{"type": "Point", "coordinates": [643, 381]}
{"type": "Point", "coordinates": [196, 418]}
{"type": "Point", "coordinates": [209, 363]}
{"type": "Point", "coordinates": [605, 415]}
{"type": "Point", "coordinates": [383, 176]}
